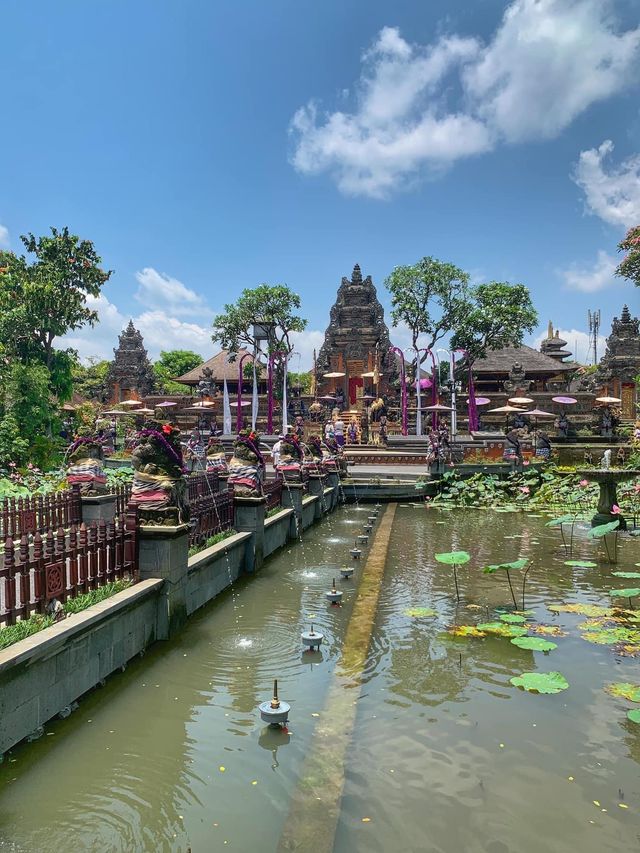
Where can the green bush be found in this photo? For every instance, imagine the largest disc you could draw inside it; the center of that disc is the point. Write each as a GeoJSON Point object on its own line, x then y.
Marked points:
{"type": "Point", "coordinates": [212, 540]}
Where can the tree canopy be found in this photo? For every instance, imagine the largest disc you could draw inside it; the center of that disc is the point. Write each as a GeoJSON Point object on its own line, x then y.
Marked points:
{"type": "Point", "coordinates": [274, 305]}
{"type": "Point", "coordinates": [496, 315]}
{"type": "Point", "coordinates": [429, 297]}
{"type": "Point", "coordinates": [173, 363]}
{"type": "Point", "coordinates": [629, 267]}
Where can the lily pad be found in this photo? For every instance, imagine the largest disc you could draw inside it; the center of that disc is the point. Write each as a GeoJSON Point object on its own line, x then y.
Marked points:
{"type": "Point", "coordinates": [516, 564]}
{"type": "Point", "coordinates": [602, 529]}
{"type": "Point", "coordinates": [626, 574]}
{"type": "Point", "coordinates": [625, 593]}
{"type": "Point", "coordinates": [466, 631]}
{"type": "Point", "coordinates": [611, 636]}
{"type": "Point", "coordinates": [541, 682]}
{"type": "Point", "coordinates": [547, 630]}
{"type": "Point", "coordinates": [582, 564]}
{"type": "Point", "coordinates": [534, 644]}
{"type": "Point", "coordinates": [453, 557]}
{"type": "Point", "coordinates": [582, 609]}
{"type": "Point", "coordinates": [420, 612]}
{"type": "Point", "coordinates": [512, 618]}
{"type": "Point", "coordinates": [500, 629]}
{"type": "Point", "coordinates": [556, 522]}
{"type": "Point", "coordinates": [624, 690]}
{"type": "Point", "coordinates": [634, 715]}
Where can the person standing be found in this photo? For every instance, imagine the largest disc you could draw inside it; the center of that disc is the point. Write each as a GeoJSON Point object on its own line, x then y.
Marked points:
{"type": "Point", "coordinates": [338, 431]}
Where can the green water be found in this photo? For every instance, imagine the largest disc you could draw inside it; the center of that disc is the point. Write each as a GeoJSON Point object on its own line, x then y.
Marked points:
{"type": "Point", "coordinates": [446, 754]}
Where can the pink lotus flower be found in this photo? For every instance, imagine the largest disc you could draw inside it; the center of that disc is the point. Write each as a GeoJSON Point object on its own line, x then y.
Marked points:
{"type": "Point", "coordinates": [583, 483]}
{"type": "Point", "coordinates": [615, 510]}
{"type": "Point", "coordinates": [526, 462]}
{"type": "Point", "coordinates": [525, 490]}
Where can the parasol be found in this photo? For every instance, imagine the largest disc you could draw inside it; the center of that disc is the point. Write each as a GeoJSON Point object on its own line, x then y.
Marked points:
{"type": "Point", "coordinates": [535, 414]}
{"type": "Point", "coordinates": [481, 401]}
{"type": "Point", "coordinates": [165, 404]}
{"type": "Point", "coordinates": [565, 401]}
{"type": "Point", "coordinates": [506, 410]}
{"type": "Point", "coordinates": [131, 403]}
{"type": "Point", "coordinates": [438, 407]}
{"type": "Point", "coordinates": [328, 398]}
{"type": "Point", "coordinates": [608, 400]}
{"type": "Point", "coordinates": [235, 403]}
{"type": "Point", "coordinates": [204, 404]}
{"type": "Point", "coordinates": [336, 374]}
{"type": "Point", "coordinates": [521, 401]}
{"type": "Point", "coordinates": [143, 411]}
{"type": "Point", "coordinates": [371, 374]}
{"type": "Point", "coordinates": [114, 412]}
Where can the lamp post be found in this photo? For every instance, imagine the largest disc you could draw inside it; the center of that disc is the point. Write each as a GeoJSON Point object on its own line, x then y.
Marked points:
{"type": "Point", "coordinates": [403, 389]}
{"type": "Point", "coordinates": [417, 351]}
{"type": "Point", "coordinates": [272, 358]}
{"type": "Point", "coordinates": [453, 387]}
{"type": "Point", "coordinates": [239, 418]}
{"type": "Point", "coordinates": [434, 388]}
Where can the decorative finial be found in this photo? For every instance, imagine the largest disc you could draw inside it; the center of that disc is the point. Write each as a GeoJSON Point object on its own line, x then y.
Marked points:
{"type": "Point", "coordinates": [356, 275]}
{"type": "Point", "coordinates": [626, 314]}
{"type": "Point", "coordinates": [275, 702]}
{"type": "Point", "coordinates": [550, 330]}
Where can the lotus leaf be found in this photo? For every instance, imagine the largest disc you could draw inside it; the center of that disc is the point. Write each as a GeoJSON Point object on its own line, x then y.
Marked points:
{"type": "Point", "coordinates": [582, 609]}
{"type": "Point", "coordinates": [516, 564]}
{"type": "Point", "coordinates": [627, 574]}
{"type": "Point", "coordinates": [556, 522]}
{"type": "Point", "coordinates": [466, 631]}
{"type": "Point", "coordinates": [420, 612]}
{"type": "Point", "coordinates": [602, 529]}
{"type": "Point", "coordinates": [535, 644]}
{"type": "Point", "coordinates": [624, 690]}
{"type": "Point", "coordinates": [500, 629]}
{"type": "Point", "coordinates": [512, 618]}
{"type": "Point", "coordinates": [546, 630]}
{"type": "Point", "coordinates": [541, 682]}
{"type": "Point", "coordinates": [611, 636]}
{"type": "Point", "coordinates": [634, 715]}
{"type": "Point", "coordinates": [582, 564]}
{"type": "Point", "coordinates": [454, 557]}
{"type": "Point", "coordinates": [625, 593]}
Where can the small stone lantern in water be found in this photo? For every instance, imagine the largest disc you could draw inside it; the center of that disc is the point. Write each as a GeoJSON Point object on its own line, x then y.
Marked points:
{"type": "Point", "coordinates": [311, 639]}
{"type": "Point", "coordinates": [275, 712]}
{"type": "Point", "coordinates": [363, 539]}
{"type": "Point", "coordinates": [346, 572]}
{"type": "Point", "coordinates": [355, 552]}
{"type": "Point", "coordinates": [334, 595]}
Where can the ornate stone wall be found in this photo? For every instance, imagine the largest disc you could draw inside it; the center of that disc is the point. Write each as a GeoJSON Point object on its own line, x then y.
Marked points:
{"type": "Point", "coordinates": [620, 364]}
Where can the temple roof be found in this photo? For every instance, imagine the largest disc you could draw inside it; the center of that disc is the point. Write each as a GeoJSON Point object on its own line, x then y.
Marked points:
{"type": "Point", "coordinates": [219, 366]}
{"type": "Point", "coordinates": [533, 362]}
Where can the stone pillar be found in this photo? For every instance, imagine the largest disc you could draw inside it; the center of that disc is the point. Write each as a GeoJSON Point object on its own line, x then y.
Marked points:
{"type": "Point", "coordinates": [292, 494]}
{"type": "Point", "coordinates": [249, 517]}
{"type": "Point", "coordinates": [164, 554]}
{"type": "Point", "coordinates": [98, 508]}
{"type": "Point", "coordinates": [316, 488]}
{"type": "Point", "coordinates": [333, 481]}
{"type": "Point", "coordinates": [223, 482]}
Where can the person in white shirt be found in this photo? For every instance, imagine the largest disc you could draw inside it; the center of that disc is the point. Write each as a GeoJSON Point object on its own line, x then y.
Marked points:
{"type": "Point", "coordinates": [275, 452]}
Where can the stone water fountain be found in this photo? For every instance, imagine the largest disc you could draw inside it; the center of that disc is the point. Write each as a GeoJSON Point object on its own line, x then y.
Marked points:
{"type": "Point", "coordinates": [607, 478]}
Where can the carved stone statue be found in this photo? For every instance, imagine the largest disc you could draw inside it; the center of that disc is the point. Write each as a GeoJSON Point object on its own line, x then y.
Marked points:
{"type": "Point", "coordinates": [159, 487]}
{"type": "Point", "coordinates": [247, 466]}
{"type": "Point", "coordinates": [216, 456]}
{"type": "Point", "coordinates": [516, 381]}
{"type": "Point", "coordinates": [289, 466]}
{"type": "Point", "coordinates": [84, 466]}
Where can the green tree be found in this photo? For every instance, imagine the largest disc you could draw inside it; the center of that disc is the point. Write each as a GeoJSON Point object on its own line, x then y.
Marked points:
{"type": "Point", "coordinates": [173, 363]}
{"type": "Point", "coordinates": [301, 380]}
{"type": "Point", "coordinates": [26, 401]}
{"type": "Point", "coordinates": [275, 305]}
{"type": "Point", "coordinates": [43, 299]}
{"type": "Point", "coordinates": [629, 267]}
{"type": "Point", "coordinates": [429, 298]}
{"type": "Point", "coordinates": [89, 381]}
{"type": "Point", "coordinates": [497, 314]}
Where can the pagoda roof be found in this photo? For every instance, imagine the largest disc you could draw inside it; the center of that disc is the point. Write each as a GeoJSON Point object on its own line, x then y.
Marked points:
{"type": "Point", "coordinates": [532, 361]}
{"type": "Point", "coordinates": [219, 366]}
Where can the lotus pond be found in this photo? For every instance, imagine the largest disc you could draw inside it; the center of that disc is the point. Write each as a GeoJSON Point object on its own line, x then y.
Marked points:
{"type": "Point", "coordinates": [449, 748]}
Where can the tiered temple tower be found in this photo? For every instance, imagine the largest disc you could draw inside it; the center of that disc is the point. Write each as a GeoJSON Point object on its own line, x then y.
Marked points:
{"type": "Point", "coordinates": [553, 345]}
{"type": "Point", "coordinates": [130, 374]}
{"type": "Point", "coordinates": [620, 364]}
{"type": "Point", "coordinates": [356, 341]}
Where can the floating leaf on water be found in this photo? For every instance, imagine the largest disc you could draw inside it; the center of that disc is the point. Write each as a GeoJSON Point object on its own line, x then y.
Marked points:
{"type": "Point", "coordinates": [466, 631]}
{"type": "Point", "coordinates": [629, 650]}
{"type": "Point", "coordinates": [501, 629]}
{"type": "Point", "coordinates": [540, 682]}
{"type": "Point", "coordinates": [602, 529]}
{"type": "Point", "coordinates": [582, 609]}
{"type": "Point", "coordinates": [626, 574]}
{"type": "Point", "coordinates": [516, 564]}
{"type": "Point", "coordinates": [582, 564]}
{"type": "Point", "coordinates": [625, 593]}
{"type": "Point", "coordinates": [534, 644]}
{"type": "Point", "coordinates": [512, 618]}
{"type": "Point", "coordinates": [624, 690]}
{"type": "Point", "coordinates": [546, 630]}
{"type": "Point", "coordinates": [634, 715]}
{"type": "Point", "coordinates": [451, 557]}
{"type": "Point", "coordinates": [420, 612]}
{"type": "Point", "coordinates": [556, 522]}
{"type": "Point", "coordinates": [474, 607]}
{"type": "Point", "coordinates": [611, 636]}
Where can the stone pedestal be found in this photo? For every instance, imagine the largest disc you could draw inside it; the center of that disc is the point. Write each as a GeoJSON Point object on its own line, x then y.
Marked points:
{"type": "Point", "coordinates": [333, 482]}
{"type": "Point", "coordinates": [316, 488]}
{"type": "Point", "coordinates": [98, 508]}
{"type": "Point", "coordinates": [249, 517]}
{"type": "Point", "coordinates": [223, 482]}
{"type": "Point", "coordinates": [164, 554]}
{"type": "Point", "coordinates": [292, 494]}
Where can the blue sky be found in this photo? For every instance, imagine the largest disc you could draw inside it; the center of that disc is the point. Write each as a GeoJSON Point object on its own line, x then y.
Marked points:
{"type": "Point", "coordinates": [210, 146]}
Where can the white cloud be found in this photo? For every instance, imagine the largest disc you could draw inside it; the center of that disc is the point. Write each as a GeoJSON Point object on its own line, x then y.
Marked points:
{"type": "Point", "coordinates": [577, 344]}
{"type": "Point", "coordinates": [304, 344]}
{"type": "Point", "coordinates": [594, 278]}
{"type": "Point", "coordinates": [158, 290]}
{"type": "Point", "coordinates": [547, 62]}
{"type": "Point", "coordinates": [614, 194]}
{"type": "Point", "coordinates": [4, 237]}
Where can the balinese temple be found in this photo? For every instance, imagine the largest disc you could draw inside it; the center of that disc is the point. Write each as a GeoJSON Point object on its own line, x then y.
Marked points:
{"type": "Point", "coordinates": [356, 342]}
{"type": "Point", "coordinates": [620, 365]}
{"type": "Point", "coordinates": [130, 375]}
{"type": "Point", "coordinates": [524, 370]}
{"type": "Point", "coordinates": [219, 368]}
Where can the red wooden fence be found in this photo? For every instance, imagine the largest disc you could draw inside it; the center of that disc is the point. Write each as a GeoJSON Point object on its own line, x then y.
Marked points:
{"type": "Point", "coordinates": [210, 514]}
{"type": "Point", "coordinates": [273, 492]}
{"type": "Point", "coordinates": [39, 513]}
{"type": "Point", "coordinates": [63, 564]}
